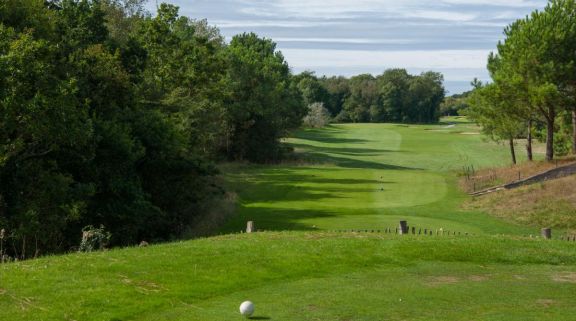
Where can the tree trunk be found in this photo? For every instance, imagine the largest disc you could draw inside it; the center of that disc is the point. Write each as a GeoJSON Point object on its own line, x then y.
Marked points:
{"type": "Point", "coordinates": [574, 132]}
{"type": "Point", "coordinates": [512, 152]}
{"type": "Point", "coordinates": [529, 141]}
{"type": "Point", "coordinates": [550, 139]}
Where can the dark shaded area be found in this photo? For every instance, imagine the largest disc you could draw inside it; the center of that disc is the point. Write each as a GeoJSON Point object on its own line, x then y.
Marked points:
{"type": "Point", "coordinates": [351, 162]}
{"type": "Point", "coordinates": [274, 219]}
{"type": "Point", "coordinates": [350, 151]}
{"type": "Point", "coordinates": [326, 136]}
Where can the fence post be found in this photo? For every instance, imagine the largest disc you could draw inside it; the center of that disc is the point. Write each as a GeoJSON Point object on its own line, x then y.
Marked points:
{"type": "Point", "coordinates": [546, 233]}
{"type": "Point", "coordinates": [403, 227]}
{"type": "Point", "coordinates": [250, 227]}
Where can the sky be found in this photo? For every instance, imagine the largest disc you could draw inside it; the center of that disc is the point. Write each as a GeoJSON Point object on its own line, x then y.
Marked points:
{"type": "Point", "coordinates": [351, 37]}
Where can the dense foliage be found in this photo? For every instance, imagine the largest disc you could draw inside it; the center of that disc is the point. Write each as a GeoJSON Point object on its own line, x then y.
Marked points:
{"type": "Point", "coordinates": [534, 81]}
{"type": "Point", "coordinates": [394, 96]}
{"type": "Point", "coordinates": [109, 116]}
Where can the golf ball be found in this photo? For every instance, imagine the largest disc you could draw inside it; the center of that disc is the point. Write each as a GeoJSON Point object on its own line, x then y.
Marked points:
{"type": "Point", "coordinates": [247, 308]}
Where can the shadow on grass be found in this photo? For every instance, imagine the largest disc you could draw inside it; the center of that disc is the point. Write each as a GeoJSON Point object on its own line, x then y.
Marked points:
{"type": "Point", "coordinates": [351, 151]}
{"type": "Point", "coordinates": [259, 318]}
{"type": "Point", "coordinates": [274, 219]}
{"type": "Point", "coordinates": [353, 163]}
{"type": "Point", "coordinates": [326, 136]}
{"type": "Point", "coordinates": [285, 185]}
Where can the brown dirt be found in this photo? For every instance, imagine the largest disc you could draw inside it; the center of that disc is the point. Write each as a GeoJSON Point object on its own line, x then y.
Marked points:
{"type": "Point", "coordinates": [478, 278]}
{"type": "Point", "coordinates": [545, 302]}
{"type": "Point", "coordinates": [442, 280]}
{"type": "Point", "coordinates": [565, 277]}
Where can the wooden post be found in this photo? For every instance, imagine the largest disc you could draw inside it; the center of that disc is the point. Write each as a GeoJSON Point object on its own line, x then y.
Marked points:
{"type": "Point", "coordinates": [403, 228]}
{"type": "Point", "coordinates": [250, 227]}
{"type": "Point", "coordinates": [546, 233]}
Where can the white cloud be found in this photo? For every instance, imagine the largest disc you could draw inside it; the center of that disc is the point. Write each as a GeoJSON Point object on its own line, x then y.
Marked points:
{"type": "Point", "coordinates": [344, 40]}
{"type": "Point", "coordinates": [440, 15]}
{"type": "Point", "coordinates": [451, 59]}
{"type": "Point", "coordinates": [271, 23]}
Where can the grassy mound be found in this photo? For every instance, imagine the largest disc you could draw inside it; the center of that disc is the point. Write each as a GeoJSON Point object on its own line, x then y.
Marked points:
{"type": "Point", "coordinates": [301, 276]}
{"type": "Point", "coordinates": [546, 204]}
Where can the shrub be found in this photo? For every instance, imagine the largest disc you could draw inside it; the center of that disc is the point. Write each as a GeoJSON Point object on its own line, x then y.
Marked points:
{"type": "Point", "coordinates": [94, 238]}
{"type": "Point", "coordinates": [318, 116]}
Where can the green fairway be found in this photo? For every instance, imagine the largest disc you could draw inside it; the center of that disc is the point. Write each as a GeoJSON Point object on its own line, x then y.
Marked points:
{"type": "Point", "coordinates": [367, 176]}
{"type": "Point", "coordinates": [301, 276]}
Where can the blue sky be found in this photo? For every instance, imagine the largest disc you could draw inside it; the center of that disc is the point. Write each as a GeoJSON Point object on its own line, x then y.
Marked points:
{"type": "Point", "coordinates": [350, 37]}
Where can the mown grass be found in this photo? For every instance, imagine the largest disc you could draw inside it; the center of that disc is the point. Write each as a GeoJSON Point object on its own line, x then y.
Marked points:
{"type": "Point", "coordinates": [301, 276]}
{"type": "Point", "coordinates": [358, 176]}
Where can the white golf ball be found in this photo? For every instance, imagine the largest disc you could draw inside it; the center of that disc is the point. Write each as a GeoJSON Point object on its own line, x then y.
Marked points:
{"type": "Point", "coordinates": [247, 308]}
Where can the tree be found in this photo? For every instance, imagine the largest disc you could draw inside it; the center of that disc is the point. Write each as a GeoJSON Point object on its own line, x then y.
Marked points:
{"type": "Point", "coordinates": [338, 89]}
{"type": "Point", "coordinates": [538, 58]}
{"type": "Point", "coordinates": [394, 85]}
{"type": "Point", "coordinates": [318, 116]}
{"type": "Point", "coordinates": [264, 103]}
{"type": "Point", "coordinates": [363, 95]}
{"type": "Point", "coordinates": [489, 106]}
{"type": "Point", "coordinates": [311, 88]}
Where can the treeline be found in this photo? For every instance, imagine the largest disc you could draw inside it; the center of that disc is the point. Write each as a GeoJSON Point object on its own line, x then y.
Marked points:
{"type": "Point", "coordinates": [111, 116]}
{"type": "Point", "coordinates": [394, 96]}
{"type": "Point", "coordinates": [533, 93]}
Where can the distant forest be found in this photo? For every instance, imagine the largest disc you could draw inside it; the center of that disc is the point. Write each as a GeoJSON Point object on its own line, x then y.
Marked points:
{"type": "Point", "coordinates": [112, 116]}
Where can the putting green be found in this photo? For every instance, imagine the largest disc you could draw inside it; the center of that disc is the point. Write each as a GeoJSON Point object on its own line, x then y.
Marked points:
{"type": "Point", "coordinates": [369, 176]}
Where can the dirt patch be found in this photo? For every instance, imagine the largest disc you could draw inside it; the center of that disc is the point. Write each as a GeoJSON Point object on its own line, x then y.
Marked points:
{"type": "Point", "coordinates": [478, 278]}
{"type": "Point", "coordinates": [442, 280]}
{"type": "Point", "coordinates": [469, 133]}
{"type": "Point", "coordinates": [312, 307]}
{"type": "Point", "coordinates": [565, 277]}
{"type": "Point", "coordinates": [545, 302]}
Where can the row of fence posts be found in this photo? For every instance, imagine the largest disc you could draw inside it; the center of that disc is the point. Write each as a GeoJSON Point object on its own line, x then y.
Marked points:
{"type": "Point", "coordinates": [547, 234]}
{"type": "Point", "coordinates": [403, 228]}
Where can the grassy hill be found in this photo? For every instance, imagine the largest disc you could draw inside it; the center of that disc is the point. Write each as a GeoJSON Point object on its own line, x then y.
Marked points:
{"type": "Point", "coordinates": [301, 276]}
{"type": "Point", "coordinates": [346, 177]}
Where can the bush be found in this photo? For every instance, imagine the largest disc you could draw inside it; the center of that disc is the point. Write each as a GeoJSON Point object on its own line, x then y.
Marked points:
{"type": "Point", "coordinates": [94, 238]}
{"type": "Point", "coordinates": [318, 116]}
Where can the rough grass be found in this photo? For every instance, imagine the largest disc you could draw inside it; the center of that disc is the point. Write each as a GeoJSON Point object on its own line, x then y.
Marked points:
{"type": "Point", "coordinates": [547, 204]}
{"type": "Point", "coordinates": [301, 276]}
{"type": "Point", "coordinates": [489, 177]}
